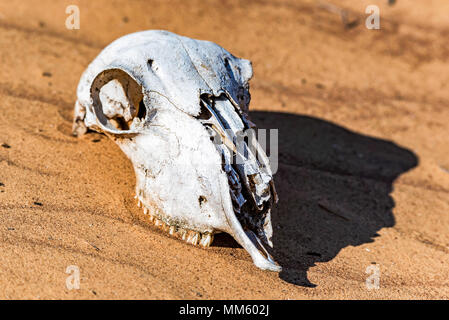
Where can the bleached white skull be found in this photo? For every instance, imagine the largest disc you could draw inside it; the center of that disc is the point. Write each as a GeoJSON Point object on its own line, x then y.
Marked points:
{"type": "Point", "coordinates": [176, 107]}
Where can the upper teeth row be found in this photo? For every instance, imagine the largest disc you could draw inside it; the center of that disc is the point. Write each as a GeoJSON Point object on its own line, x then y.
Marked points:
{"type": "Point", "coordinates": [189, 236]}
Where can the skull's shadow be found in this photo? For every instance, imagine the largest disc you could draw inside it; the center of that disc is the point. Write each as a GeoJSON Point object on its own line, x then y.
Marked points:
{"type": "Point", "coordinates": [334, 187]}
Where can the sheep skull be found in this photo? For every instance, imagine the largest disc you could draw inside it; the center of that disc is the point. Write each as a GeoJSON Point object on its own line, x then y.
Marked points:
{"type": "Point", "coordinates": [176, 107]}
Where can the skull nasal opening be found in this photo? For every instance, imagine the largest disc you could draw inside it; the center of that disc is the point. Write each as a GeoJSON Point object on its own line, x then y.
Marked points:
{"type": "Point", "coordinates": [118, 101]}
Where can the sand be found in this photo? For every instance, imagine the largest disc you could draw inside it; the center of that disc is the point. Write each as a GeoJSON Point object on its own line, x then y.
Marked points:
{"type": "Point", "coordinates": [363, 175]}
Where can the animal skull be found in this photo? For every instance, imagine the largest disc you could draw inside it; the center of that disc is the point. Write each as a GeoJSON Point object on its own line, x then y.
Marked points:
{"type": "Point", "coordinates": [175, 106]}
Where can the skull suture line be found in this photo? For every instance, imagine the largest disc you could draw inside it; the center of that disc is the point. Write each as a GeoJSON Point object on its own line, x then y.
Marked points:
{"type": "Point", "coordinates": [164, 99]}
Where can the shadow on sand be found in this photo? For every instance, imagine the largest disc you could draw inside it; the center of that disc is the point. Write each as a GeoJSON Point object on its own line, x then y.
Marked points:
{"type": "Point", "coordinates": [334, 187]}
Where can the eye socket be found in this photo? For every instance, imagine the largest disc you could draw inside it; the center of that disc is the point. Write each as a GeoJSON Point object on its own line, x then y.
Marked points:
{"type": "Point", "coordinates": [120, 122]}
{"type": "Point", "coordinates": [117, 101]}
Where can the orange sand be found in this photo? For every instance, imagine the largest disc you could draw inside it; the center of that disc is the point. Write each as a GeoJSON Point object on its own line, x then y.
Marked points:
{"type": "Point", "coordinates": [363, 176]}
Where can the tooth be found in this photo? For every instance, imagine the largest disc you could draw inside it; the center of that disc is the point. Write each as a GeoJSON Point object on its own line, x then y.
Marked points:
{"type": "Point", "coordinates": [138, 203]}
{"type": "Point", "coordinates": [193, 237]}
{"type": "Point", "coordinates": [183, 233]}
{"type": "Point", "coordinates": [190, 236]}
{"type": "Point", "coordinates": [157, 222]}
{"type": "Point", "coordinates": [206, 240]}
